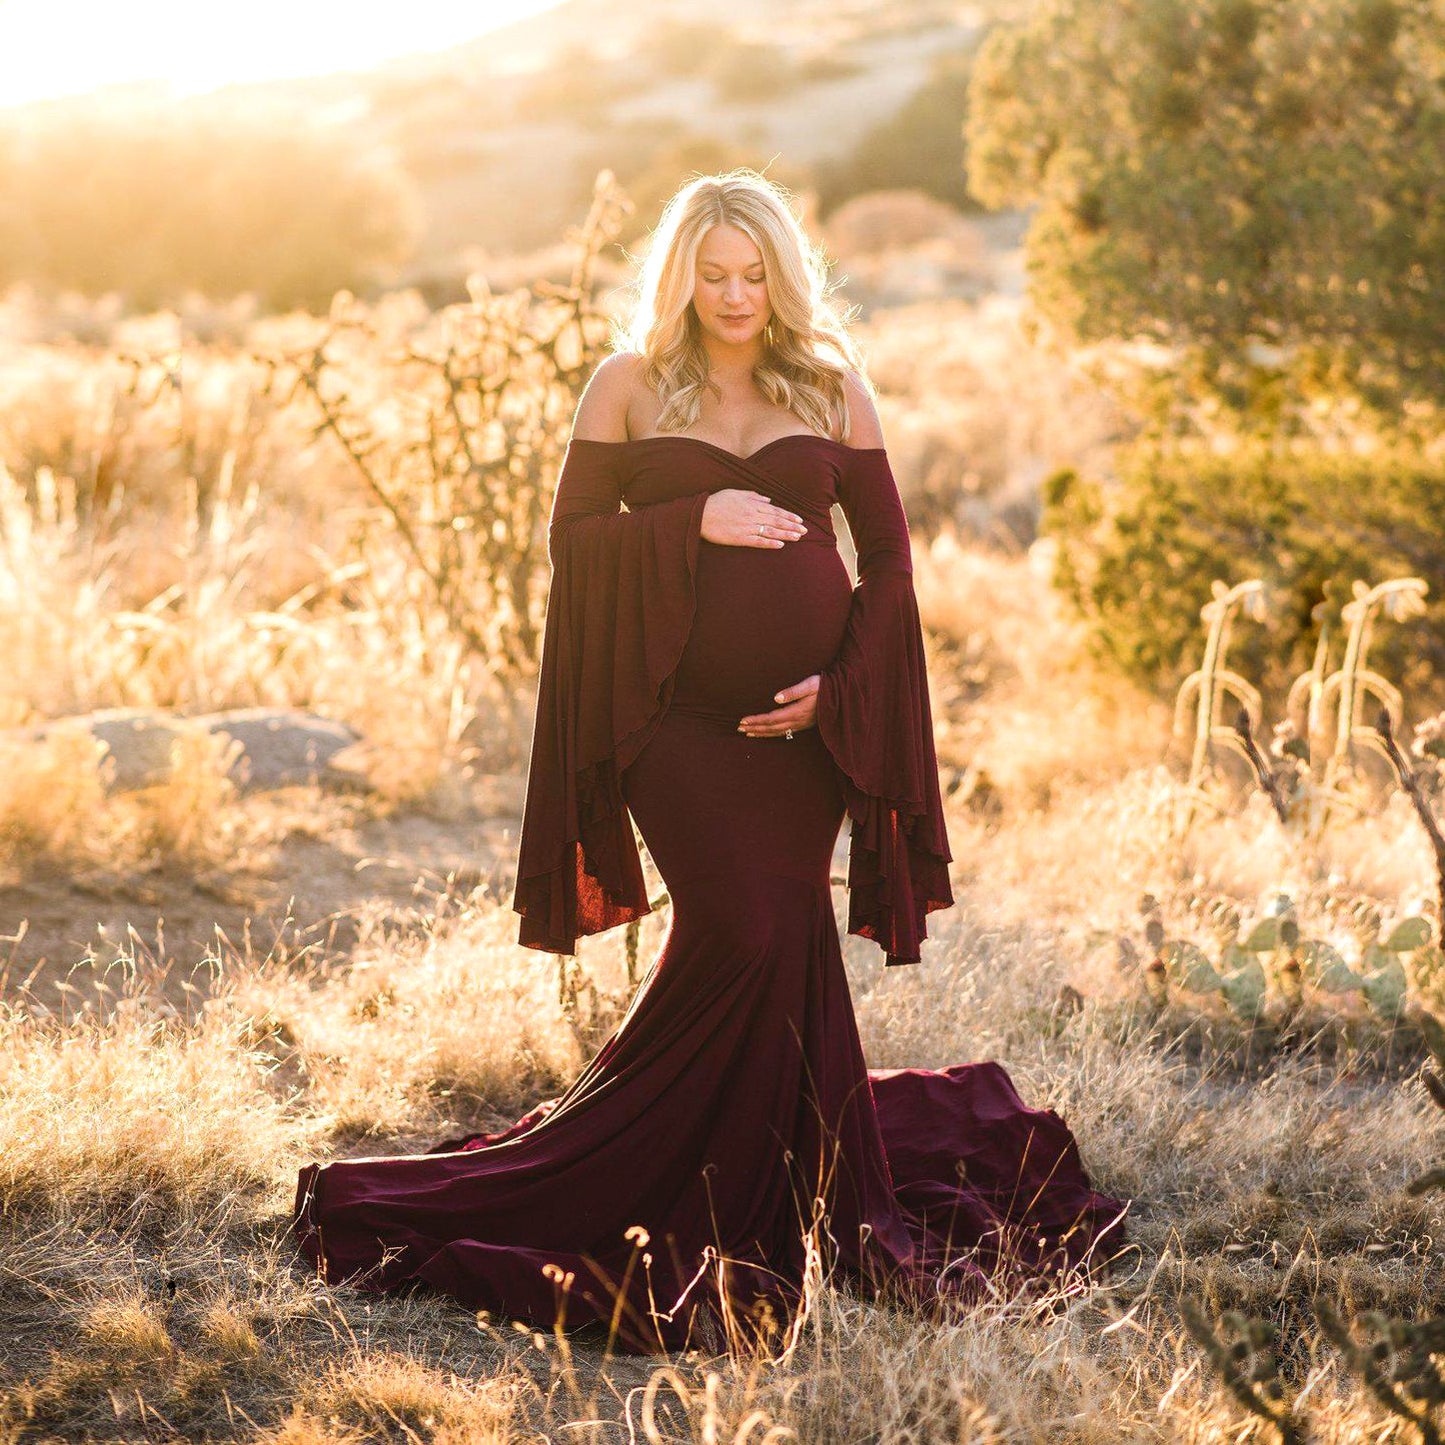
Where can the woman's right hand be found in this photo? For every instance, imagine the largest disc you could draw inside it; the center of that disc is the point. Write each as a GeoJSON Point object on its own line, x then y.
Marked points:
{"type": "Point", "coordinates": [734, 515]}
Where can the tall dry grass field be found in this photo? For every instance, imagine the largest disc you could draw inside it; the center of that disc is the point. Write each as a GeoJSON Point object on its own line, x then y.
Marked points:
{"type": "Point", "coordinates": [188, 528]}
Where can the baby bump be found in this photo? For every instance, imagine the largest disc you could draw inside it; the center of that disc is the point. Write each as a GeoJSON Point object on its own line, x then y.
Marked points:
{"type": "Point", "coordinates": [766, 617]}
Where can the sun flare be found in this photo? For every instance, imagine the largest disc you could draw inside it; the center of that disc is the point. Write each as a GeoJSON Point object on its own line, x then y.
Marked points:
{"type": "Point", "coordinates": [53, 49]}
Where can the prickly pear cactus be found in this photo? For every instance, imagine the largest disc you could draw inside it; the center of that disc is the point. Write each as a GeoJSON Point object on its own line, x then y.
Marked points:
{"type": "Point", "coordinates": [1268, 956]}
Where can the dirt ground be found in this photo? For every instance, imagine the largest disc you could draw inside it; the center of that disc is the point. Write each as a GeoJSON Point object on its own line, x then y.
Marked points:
{"type": "Point", "coordinates": [327, 866]}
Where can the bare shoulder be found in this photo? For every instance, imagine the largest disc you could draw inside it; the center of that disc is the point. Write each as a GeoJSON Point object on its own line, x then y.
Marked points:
{"type": "Point", "coordinates": [864, 427]}
{"type": "Point", "coordinates": [602, 411]}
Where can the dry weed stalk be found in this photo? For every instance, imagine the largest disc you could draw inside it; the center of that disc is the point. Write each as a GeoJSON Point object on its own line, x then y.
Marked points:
{"type": "Point", "coordinates": [1265, 775]}
{"type": "Point", "coordinates": [457, 434]}
{"type": "Point", "coordinates": [95, 421]}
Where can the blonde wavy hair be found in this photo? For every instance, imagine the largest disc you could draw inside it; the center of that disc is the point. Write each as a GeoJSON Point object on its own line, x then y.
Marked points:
{"type": "Point", "coordinates": [807, 349]}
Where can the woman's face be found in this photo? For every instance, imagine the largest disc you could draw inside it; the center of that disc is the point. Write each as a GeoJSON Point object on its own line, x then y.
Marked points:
{"type": "Point", "coordinates": [730, 291]}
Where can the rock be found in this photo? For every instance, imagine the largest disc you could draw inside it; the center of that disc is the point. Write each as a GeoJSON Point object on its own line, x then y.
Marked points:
{"type": "Point", "coordinates": [279, 748]}
{"type": "Point", "coordinates": [284, 749]}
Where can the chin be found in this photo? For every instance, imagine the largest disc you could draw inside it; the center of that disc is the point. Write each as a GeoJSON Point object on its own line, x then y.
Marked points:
{"type": "Point", "coordinates": [739, 335]}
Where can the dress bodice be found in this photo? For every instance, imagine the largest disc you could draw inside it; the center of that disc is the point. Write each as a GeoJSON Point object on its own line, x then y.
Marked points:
{"type": "Point", "coordinates": [801, 470]}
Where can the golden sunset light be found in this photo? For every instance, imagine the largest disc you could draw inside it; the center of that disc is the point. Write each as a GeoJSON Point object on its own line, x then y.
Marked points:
{"type": "Point", "coordinates": [56, 49]}
{"type": "Point", "coordinates": [722, 720]}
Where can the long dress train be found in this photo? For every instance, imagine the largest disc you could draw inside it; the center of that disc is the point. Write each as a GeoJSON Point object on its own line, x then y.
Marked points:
{"type": "Point", "coordinates": [729, 1129]}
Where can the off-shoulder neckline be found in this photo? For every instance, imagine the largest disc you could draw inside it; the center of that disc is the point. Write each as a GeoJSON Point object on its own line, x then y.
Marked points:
{"type": "Point", "coordinates": [713, 446]}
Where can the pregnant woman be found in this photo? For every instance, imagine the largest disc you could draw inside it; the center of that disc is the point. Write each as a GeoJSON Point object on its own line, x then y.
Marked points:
{"type": "Point", "coordinates": [711, 674]}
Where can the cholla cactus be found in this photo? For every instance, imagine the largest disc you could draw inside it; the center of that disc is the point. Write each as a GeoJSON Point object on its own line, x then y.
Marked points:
{"type": "Point", "coordinates": [1397, 1360]}
{"type": "Point", "coordinates": [1243, 1351]}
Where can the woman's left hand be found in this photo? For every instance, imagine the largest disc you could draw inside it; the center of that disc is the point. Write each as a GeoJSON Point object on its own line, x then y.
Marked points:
{"type": "Point", "coordinates": [800, 711]}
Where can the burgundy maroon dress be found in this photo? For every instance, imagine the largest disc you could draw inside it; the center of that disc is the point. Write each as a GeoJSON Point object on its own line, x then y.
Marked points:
{"type": "Point", "coordinates": [731, 1114]}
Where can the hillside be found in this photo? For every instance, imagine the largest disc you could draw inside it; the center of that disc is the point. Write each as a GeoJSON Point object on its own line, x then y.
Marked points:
{"type": "Point", "coordinates": [538, 107]}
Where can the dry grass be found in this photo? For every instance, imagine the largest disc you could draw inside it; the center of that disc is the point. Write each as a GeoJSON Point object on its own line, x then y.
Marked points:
{"type": "Point", "coordinates": [1002, 635]}
{"type": "Point", "coordinates": [149, 1162]}
{"type": "Point", "coordinates": [150, 1131]}
{"type": "Point", "coordinates": [203, 643]}
{"type": "Point", "coordinates": [55, 813]}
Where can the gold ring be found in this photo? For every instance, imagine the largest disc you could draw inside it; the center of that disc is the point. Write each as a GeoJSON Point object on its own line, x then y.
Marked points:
{"type": "Point", "coordinates": [789, 733]}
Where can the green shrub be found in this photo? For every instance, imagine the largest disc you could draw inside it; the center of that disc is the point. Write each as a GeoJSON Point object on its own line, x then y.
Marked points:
{"type": "Point", "coordinates": [1137, 557]}
{"type": "Point", "coordinates": [1258, 183]}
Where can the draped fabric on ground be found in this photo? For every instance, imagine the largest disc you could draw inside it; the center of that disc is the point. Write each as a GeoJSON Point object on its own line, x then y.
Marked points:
{"type": "Point", "coordinates": [730, 1122]}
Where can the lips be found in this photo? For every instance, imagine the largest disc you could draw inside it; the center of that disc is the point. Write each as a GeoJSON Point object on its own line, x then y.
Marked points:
{"type": "Point", "coordinates": [737, 318]}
